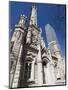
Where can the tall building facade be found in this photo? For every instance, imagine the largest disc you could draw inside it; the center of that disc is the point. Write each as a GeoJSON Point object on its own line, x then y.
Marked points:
{"type": "Point", "coordinates": [31, 63]}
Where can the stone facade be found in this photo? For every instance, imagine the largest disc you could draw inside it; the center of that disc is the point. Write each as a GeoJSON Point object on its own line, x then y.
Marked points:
{"type": "Point", "coordinates": [31, 63]}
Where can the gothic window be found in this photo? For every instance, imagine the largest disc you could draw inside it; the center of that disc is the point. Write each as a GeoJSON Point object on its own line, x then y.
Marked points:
{"type": "Point", "coordinates": [27, 71]}
{"type": "Point", "coordinates": [44, 66]}
{"type": "Point", "coordinates": [11, 64]}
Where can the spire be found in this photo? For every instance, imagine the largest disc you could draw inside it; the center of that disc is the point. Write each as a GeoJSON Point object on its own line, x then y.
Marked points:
{"type": "Point", "coordinates": [33, 19]}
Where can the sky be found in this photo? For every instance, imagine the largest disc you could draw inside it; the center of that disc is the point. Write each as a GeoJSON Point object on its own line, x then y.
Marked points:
{"type": "Point", "coordinates": [52, 14]}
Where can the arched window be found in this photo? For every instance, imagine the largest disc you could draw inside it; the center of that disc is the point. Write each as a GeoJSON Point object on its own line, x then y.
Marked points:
{"type": "Point", "coordinates": [44, 66]}
{"type": "Point", "coordinates": [27, 72]}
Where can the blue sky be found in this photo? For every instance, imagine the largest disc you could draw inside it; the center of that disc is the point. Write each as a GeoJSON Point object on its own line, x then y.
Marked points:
{"type": "Point", "coordinates": [46, 13]}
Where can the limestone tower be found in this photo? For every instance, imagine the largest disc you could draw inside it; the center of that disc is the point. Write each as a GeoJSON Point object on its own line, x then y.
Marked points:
{"type": "Point", "coordinates": [31, 63]}
{"type": "Point", "coordinates": [16, 47]}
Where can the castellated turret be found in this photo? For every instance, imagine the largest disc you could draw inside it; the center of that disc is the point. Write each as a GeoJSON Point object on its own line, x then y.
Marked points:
{"type": "Point", "coordinates": [16, 49]}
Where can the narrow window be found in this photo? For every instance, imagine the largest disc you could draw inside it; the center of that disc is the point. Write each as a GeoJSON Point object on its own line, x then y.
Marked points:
{"type": "Point", "coordinates": [27, 70]}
